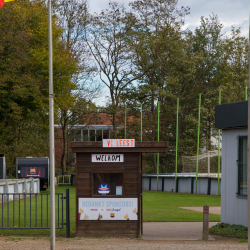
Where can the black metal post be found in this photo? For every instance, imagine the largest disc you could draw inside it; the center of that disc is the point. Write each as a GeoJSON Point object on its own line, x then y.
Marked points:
{"type": "Point", "coordinates": [177, 185]}
{"type": "Point", "coordinates": [67, 214]}
{"type": "Point", "coordinates": [192, 185]}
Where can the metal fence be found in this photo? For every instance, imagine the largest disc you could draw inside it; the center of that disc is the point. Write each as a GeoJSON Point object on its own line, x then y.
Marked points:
{"type": "Point", "coordinates": [32, 211]}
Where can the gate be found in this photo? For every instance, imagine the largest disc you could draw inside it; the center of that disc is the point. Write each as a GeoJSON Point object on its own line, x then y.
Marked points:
{"type": "Point", "coordinates": [63, 180]}
{"type": "Point", "coordinates": [31, 211]}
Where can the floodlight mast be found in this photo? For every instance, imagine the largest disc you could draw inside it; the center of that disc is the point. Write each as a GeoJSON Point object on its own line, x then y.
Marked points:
{"type": "Point", "coordinates": [51, 134]}
{"type": "Point", "coordinates": [248, 146]}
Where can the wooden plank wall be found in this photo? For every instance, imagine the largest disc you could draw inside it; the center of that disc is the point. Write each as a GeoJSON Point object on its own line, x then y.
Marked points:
{"type": "Point", "coordinates": [131, 189]}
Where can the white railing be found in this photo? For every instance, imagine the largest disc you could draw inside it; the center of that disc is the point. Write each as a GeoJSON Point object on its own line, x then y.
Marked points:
{"type": "Point", "coordinates": [12, 186]}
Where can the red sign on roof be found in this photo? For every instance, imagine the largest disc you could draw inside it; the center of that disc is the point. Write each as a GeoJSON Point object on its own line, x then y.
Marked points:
{"type": "Point", "coordinates": [117, 143]}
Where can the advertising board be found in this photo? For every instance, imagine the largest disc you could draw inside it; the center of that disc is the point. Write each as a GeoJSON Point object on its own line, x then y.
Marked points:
{"type": "Point", "coordinates": [107, 209]}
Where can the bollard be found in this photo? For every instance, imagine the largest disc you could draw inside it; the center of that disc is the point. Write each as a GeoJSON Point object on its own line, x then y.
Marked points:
{"type": "Point", "coordinates": [205, 222]}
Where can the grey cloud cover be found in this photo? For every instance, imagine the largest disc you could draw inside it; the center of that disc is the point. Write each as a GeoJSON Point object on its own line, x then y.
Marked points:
{"type": "Point", "coordinates": [230, 12]}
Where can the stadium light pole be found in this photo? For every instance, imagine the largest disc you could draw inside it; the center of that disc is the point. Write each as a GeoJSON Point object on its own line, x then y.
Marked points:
{"type": "Point", "coordinates": [51, 134]}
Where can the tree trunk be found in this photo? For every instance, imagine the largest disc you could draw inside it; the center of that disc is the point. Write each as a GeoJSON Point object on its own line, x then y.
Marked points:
{"type": "Point", "coordinates": [114, 125]}
{"type": "Point", "coordinates": [154, 162]}
{"type": "Point", "coordinates": [65, 142]}
{"type": "Point", "coordinates": [114, 109]}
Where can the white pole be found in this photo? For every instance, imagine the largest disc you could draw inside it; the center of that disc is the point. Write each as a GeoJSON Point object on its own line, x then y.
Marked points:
{"type": "Point", "coordinates": [248, 145]}
{"type": "Point", "coordinates": [51, 134]}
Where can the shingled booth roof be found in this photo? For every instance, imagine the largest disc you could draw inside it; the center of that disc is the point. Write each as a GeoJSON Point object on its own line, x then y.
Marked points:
{"type": "Point", "coordinates": [141, 147]}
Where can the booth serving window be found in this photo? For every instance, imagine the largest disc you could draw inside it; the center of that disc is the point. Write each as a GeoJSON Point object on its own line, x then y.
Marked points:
{"type": "Point", "coordinates": [242, 166]}
{"type": "Point", "coordinates": [107, 184]}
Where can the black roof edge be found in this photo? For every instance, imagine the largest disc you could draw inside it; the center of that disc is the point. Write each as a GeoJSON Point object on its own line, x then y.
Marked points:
{"type": "Point", "coordinates": [231, 115]}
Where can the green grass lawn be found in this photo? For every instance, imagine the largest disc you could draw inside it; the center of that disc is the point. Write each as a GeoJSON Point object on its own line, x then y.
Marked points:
{"type": "Point", "coordinates": [163, 206]}
{"type": "Point", "coordinates": [157, 207]}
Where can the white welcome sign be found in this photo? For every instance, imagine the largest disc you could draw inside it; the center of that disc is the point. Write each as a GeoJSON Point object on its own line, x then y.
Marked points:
{"type": "Point", "coordinates": [107, 209]}
{"type": "Point", "coordinates": [107, 158]}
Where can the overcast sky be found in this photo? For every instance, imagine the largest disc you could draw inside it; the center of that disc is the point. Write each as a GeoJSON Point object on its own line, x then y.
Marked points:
{"type": "Point", "coordinates": [230, 12]}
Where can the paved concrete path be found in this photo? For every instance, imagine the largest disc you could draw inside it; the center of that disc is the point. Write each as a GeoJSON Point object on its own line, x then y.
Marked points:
{"type": "Point", "coordinates": [178, 230]}
{"type": "Point", "coordinates": [174, 230]}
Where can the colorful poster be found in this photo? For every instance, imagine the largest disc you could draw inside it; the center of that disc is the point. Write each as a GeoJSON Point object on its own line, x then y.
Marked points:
{"type": "Point", "coordinates": [27, 172]}
{"type": "Point", "coordinates": [118, 190]}
{"type": "Point", "coordinates": [108, 209]}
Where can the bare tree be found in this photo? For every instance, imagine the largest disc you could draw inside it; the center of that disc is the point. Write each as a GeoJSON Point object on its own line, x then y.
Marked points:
{"type": "Point", "coordinates": [107, 39]}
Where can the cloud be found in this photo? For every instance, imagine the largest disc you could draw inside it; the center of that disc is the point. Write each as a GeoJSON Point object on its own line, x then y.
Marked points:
{"type": "Point", "coordinates": [230, 12]}
{"type": "Point", "coordinates": [98, 5]}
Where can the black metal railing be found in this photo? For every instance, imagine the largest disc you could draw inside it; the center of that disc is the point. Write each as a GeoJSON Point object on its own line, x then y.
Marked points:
{"type": "Point", "coordinates": [31, 211]}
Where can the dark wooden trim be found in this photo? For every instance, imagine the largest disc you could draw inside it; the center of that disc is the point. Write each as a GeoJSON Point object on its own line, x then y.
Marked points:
{"type": "Point", "coordinates": [108, 229]}
{"type": "Point", "coordinates": [147, 147]}
{"type": "Point", "coordinates": [76, 199]}
{"type": "Point", "coordinates": [139, 196]}
{"type": "Point", "coordinates": [91, 184]}
{"type": "Point", "coordinates": [138, 144]}
{"type": "Point", "coordinates": [120, 150]}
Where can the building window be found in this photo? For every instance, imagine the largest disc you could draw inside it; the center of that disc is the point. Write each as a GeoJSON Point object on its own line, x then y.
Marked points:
{"type": "Point", "coordinates": [105, 134]}
{"type": "Point", "coordinates": [85, 135]}
{"type": "Point", "coordinates": [78, 135]}
{"type": "Point", "coordinates": [91, 135]}
{"type": "Point", "coordinates": [242, 166]}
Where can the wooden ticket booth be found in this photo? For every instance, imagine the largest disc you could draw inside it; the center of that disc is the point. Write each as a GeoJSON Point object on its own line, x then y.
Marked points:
{"type": "Point", "coordinates": [108, 186]}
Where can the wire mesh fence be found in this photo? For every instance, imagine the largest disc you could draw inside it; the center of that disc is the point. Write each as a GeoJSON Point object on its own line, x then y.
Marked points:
{"type": "Point", "coordinates": [207, 163]}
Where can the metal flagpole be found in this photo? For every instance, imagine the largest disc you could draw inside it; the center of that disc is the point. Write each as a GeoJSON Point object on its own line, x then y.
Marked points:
{"type": "Point", "coordinates": [51, 134]}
